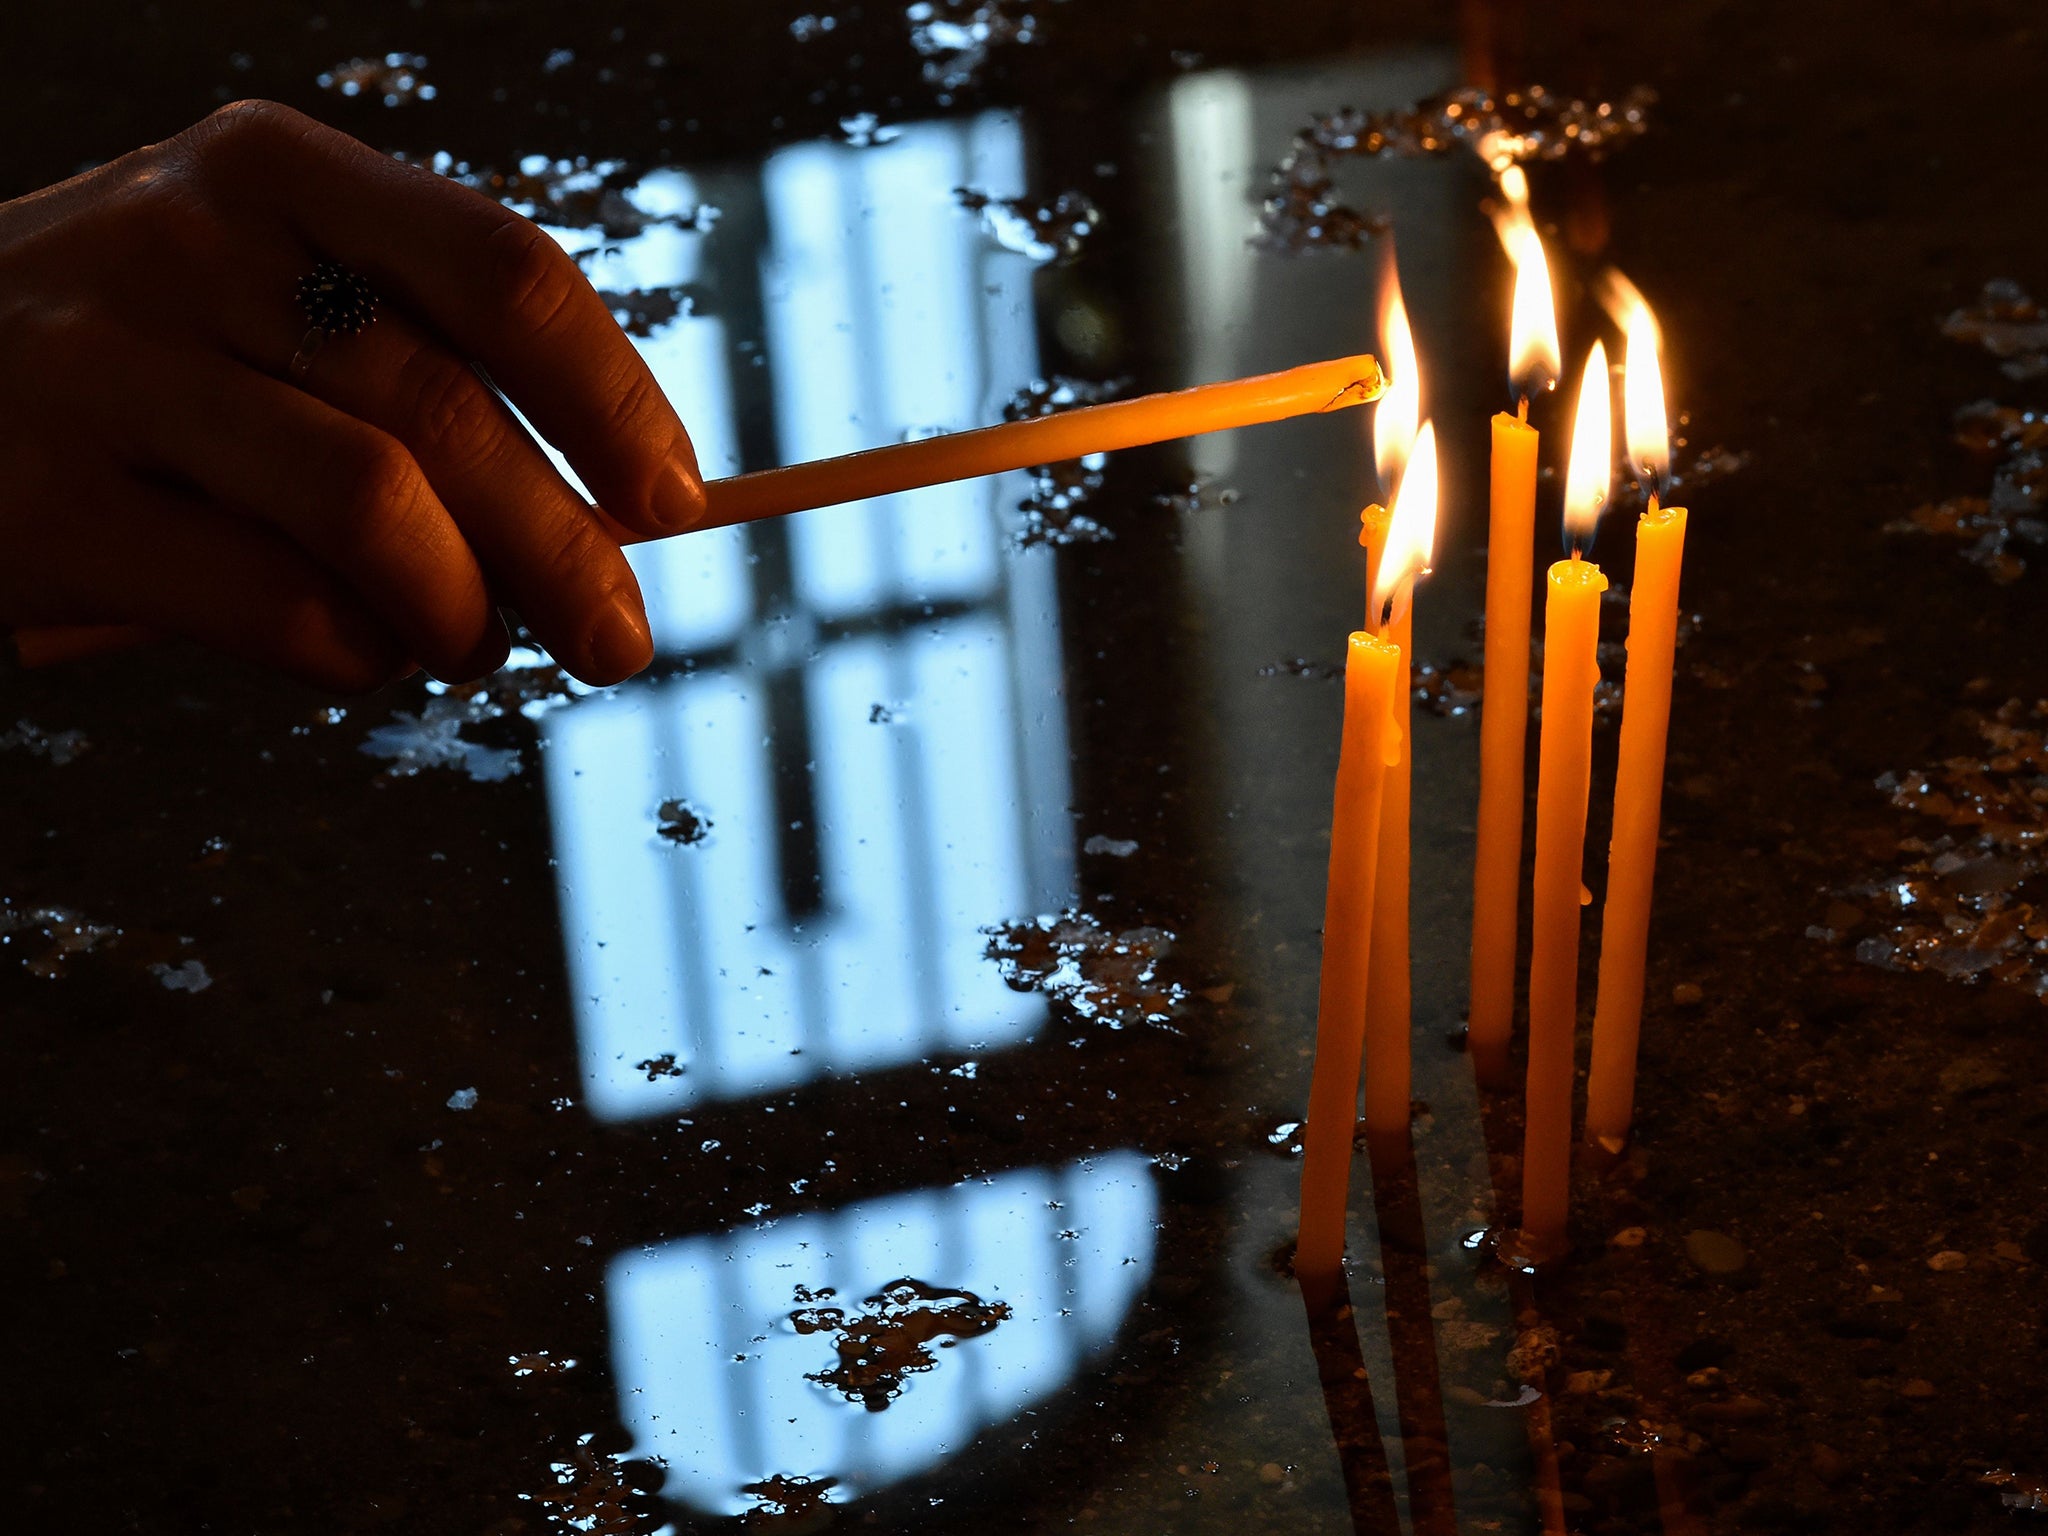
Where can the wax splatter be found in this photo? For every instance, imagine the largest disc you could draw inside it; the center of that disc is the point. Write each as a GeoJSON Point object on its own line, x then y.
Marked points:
{"type": "Point", "coordinates": [791, 1502]}
{"type": "Point", "coordinates": [1046, 229]}
{"type": "Point", "coordinates": [432, 738]}
{"type": "Point", "coordinates": [1304, 209]}
{"type": "Point", "coordinates": [1995, 528]}
{"type": "Point", "coordinates": [1104, 976]}
{"type": "Point", "coordinates": [1967, 902]}
{"type": "Point", "coordinates": [678, 823]}
{"type": "Point", "coordinates": [189, 977]}
{"type": "Point", "coordinates": [955, 37]}
{"type": "Point", "coordinates": [45, 939]}
{"type": "Point", "coordinates": [1052, 510]}
{"type": "Point", "coordinates": [1199, 493]}
{"type": "Point", "coordinates": [892, 1335]}
{"type": "Point", "coordinates": [60, 747]}
{"type": "Point", "coordinates": [395, 78]}
{"type": "Point", "coordinates": [2007, 322]}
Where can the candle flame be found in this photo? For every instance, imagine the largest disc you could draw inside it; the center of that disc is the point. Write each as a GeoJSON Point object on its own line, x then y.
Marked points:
{"type": "Point", "coordinates": [1642, 389]}
{"type": "Point", "coordinates": [1411, 533]}
{"type": "Point", "coordinates": [1534, 360]}
{"type": "Point", "coordinates": [1589, 474]}
{"type": "Point", "coordinates": [1400, 408]}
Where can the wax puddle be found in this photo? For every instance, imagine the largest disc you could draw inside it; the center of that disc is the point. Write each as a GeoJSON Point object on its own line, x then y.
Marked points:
{"type": "Point", "coordinates": [1101, 975]}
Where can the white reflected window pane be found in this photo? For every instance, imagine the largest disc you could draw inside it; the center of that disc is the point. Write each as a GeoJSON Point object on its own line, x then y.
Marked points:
{"type": "Point", "coordinates": [776, 950]}
{"type": "Point", "coordinates": [713, 1380]}
{"type": "Point", "coordinates": [907, 319]}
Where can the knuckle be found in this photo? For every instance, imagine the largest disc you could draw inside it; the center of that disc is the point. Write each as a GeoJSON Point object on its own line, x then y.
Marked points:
{"type": "Point", "coordinates": [534, 275]}
{"type": "Point", "coordinates": [376, 486]}
{"type": "Point", "coordinates": [246, 128]}
{"type": "Point", "coordinates": [638, 405]}
{"type": "Point", "coordinates": [450, 413]}
{"type": "Point", "coordinates": [577, 549]}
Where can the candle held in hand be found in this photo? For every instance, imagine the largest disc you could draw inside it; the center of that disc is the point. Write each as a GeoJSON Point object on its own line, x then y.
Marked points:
{"type": "Point", "coordinates": [1311, 389]}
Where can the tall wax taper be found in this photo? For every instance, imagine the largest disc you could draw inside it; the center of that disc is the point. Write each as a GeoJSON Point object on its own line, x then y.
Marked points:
{"type": "Point", "coordinates": [1571, 668]}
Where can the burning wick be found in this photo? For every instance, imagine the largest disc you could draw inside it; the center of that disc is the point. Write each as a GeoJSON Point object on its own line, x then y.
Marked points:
{"type": "Point", "coordinates": [1589, 471]}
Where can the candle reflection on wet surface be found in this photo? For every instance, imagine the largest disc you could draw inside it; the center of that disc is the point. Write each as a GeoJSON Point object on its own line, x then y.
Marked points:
{"type": "Point", "coordinates": [832, 1079]}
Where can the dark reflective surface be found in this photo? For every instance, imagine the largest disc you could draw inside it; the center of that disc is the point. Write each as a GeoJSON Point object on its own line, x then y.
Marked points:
{"type": "Point", "coordinates": [522, 1108]}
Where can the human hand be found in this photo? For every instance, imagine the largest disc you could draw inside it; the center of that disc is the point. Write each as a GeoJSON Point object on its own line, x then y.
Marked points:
{"type": "Point", "coordinates": [164, 463]}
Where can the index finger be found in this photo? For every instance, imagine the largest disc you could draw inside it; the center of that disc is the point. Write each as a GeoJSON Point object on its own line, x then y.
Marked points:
{"type": "Point", "coordinates": [499, 289]}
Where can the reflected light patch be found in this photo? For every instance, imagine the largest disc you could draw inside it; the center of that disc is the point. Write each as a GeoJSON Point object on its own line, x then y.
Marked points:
{"type": "Point", "coordinates": [718, 1382]}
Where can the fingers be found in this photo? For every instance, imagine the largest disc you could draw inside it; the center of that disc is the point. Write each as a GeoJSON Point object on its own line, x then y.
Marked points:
{"type": "Point", "coordinates": [189, 569]}
{"type": "Point", "coordinates": [347, 493]}
{"type": "Point", "coordinates": [497, 287]}
{"type": "Point", "coordinates": [541, 546]}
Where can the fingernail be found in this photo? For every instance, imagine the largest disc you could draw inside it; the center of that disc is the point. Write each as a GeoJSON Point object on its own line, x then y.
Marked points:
{"type": "Point", "coordinates": [619, 643]}
{"type": "Point", "coordinates": [678, 499]}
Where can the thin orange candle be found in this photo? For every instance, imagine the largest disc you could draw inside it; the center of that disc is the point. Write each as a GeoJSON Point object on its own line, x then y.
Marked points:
{"type": "Point", "coordinates": [1303, 391]}
{"type": "Point", "coordinates": [1571, 668]}
{"type": "Point", "coordinates": [1370, 665]}
{"type": "Point", "coordinates": [1639, 776]}
{"type": "Point", "coordinates": [1397, 437]}
{"type": "Point", "coordinates": [1504, 715]}
{"type": "Point", "coordinates": [1403, 556]}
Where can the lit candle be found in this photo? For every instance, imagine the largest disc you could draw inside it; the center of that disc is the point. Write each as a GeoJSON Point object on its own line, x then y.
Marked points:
{"type": "Point", "coordinates": [1403, 555]}
{"type": "Point", "coordinates": [1504, 717]}
{"type": "Point", "coordinates": [1373, 666]}
{"type": "Point", "coordinates": [1395, 438]}
{"type": "Point", "coordinates": [1571, 667]}
{"type": "Point", "coordinates": [1639, 776]}
{"type": "Point", "coordinates": [1370, 665]}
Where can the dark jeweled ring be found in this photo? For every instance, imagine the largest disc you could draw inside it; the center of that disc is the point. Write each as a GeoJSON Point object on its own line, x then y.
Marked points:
{"type": "Point", "coordinates": [335, 301]}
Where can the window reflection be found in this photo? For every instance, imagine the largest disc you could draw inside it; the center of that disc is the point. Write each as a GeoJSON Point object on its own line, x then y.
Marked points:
{"type": "Point", "coordinates": [863, 701]}
{"type": "Point", "coordinates": [714, 1380]}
